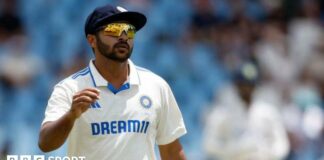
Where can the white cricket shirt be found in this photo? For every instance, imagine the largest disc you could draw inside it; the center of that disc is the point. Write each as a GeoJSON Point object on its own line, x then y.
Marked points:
{"type": "Point", "coordinates": [123, 124]}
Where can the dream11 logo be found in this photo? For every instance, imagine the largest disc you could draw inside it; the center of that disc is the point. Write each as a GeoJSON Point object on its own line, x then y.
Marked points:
{"type": "Point", "coordinates": [42, 157]}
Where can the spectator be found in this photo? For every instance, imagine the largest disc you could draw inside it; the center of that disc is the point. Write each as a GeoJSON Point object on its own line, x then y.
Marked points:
{"type": "Point", "coordinates": [10, 22]}
{"type": "Point", "coordinates": [242, 128]}
{"type": "Point", "coordinates": [17, 66]}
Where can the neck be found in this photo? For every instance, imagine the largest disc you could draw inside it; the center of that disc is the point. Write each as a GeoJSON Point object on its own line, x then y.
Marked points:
{"type": "Point", "coordinates": [114, 72]}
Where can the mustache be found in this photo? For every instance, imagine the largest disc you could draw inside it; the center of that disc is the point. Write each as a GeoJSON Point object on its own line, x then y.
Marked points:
{"type": "Point", "coordinates": [122, 44]}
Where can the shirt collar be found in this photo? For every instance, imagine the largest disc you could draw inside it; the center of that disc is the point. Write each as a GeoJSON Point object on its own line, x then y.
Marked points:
{"type": "Point", "coordinates": [98, 80]}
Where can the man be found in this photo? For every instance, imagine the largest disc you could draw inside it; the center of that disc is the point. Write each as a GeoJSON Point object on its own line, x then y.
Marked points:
{"type": "Point", "coordinates": [113, 109]}
{"type": "Point", "coordinates": [242, 126]}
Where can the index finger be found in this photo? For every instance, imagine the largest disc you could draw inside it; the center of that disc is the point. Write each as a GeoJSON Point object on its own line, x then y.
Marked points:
{"type": "Point", "coordinates": [95, 90]}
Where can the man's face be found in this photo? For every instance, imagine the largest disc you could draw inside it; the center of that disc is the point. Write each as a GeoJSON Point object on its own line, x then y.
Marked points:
{"type": "Point", "coordinates": [114, 48]}
{"type": "Point", "coordinates": [245, 90]}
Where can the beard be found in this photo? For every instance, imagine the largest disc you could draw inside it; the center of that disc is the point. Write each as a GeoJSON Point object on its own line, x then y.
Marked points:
{"type": "Point", "coordinates": [112, 53]}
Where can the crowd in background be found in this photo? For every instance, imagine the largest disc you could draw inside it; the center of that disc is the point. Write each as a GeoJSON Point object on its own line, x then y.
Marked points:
{"type": "Point", "coordinates": [248, 74]}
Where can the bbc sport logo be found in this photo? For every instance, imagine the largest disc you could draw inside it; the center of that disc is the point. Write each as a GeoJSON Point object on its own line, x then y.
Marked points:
{"type": "Point", "coordinates": [42, 157]}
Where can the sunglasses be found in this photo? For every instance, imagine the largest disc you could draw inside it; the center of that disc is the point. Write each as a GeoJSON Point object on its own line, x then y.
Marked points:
{"type": "Point", "coordinates": [116, 30]}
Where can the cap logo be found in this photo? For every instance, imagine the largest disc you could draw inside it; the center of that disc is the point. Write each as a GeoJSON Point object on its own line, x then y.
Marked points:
{"type": "Point", "coordinates": [121, 9]}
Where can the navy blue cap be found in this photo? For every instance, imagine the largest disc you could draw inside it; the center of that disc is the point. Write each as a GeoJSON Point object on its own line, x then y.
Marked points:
{"type": "Point", "coordinates": [247, 73]}
{"type": "Point", "coordinates": [107, 14]}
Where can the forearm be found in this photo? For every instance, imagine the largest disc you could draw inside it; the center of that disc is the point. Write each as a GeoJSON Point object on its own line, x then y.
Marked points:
{"type": "Point", "coordinates": [172, 151]}
{"type": "Point", "coordinates": [53, 134]}
{"type": "Point", "coordinates": [174, 156]}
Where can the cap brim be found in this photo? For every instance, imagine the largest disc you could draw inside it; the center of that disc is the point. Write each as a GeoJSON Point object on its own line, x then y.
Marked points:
{"type": "Point", "coordinates": [138, 20]}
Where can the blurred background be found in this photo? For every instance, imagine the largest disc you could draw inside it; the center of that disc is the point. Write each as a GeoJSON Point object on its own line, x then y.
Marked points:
{"type": "Point", "coordinates": [248, 75]}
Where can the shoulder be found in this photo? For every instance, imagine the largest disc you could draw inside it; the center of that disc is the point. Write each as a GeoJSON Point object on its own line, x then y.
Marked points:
{"type": "Point", "coordinates": [263, 106]}
{"type": "Point", "coordinates": [80, 73]}
{"type": "Point", "coordinates": [264, 109]}
{"type": "Point", "coordinates": [149, 77]}
{"type": "Point", "coordinates": [73, 81]}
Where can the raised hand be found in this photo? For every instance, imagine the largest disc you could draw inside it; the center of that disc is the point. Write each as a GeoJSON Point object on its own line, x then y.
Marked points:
{"type": "Point", "coordinates": [82, 100]}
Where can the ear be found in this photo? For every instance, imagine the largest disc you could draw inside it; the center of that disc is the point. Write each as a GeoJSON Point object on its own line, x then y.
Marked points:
{"type": "Point", "coordinates": [92, 40]}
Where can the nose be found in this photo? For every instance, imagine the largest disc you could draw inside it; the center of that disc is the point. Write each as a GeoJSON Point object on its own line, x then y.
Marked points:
{"type": "Point", "coordinates": [123, 37]}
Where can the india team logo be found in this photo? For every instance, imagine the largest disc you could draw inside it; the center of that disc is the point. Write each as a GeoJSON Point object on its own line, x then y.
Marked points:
{"type": "Point", "coordinates": [146, 102]}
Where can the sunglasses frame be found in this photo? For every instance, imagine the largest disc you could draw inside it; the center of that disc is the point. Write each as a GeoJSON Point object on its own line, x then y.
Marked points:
{"type": "Point", "coordinates": [119, 28]}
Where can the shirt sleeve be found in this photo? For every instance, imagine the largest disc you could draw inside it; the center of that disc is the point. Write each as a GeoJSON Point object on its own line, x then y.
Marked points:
{"type": "Point", "coordinates": [58, 104]}
{"type": "Point", "coordinates": [171, 125]}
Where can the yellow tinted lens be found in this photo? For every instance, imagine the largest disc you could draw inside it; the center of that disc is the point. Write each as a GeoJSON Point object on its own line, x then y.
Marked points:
{"type": "Point", "coordinates": [116, 29]}
{"type": "Point", "coordinates": [113, 30]}
{"type": "Point", "coordinates": [131, 32]}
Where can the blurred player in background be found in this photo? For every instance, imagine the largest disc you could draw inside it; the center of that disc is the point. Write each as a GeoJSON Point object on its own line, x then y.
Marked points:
{"type": "Point", "coordinates": [242, 127]}
{"type": "Point", "coordinates": [113, 109]}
